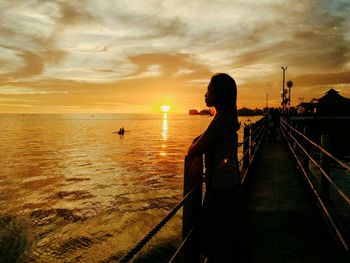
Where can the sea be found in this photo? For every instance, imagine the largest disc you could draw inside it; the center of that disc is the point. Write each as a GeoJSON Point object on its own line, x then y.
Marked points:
{"type": "Point", "coordinates": [73, 190]}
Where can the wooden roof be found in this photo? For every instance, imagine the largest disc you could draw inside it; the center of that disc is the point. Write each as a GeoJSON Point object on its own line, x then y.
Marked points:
{"type": "Point", "coordinates": [332, 96]}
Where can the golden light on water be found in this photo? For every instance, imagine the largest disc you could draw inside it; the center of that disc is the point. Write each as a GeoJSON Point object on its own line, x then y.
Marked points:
{"type": "Point", "coordinates": [164, 133]}
{"type": "Point", "coordinates": [165, 127]}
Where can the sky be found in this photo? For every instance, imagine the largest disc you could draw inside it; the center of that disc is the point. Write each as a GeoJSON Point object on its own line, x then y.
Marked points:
{"type": "Point", "coordinates": [132, 56]}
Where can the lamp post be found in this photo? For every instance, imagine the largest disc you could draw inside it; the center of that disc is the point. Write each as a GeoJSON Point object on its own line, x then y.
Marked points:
{"type": "Point", "coordinates": [289, 85]}
{"type": "Point", "coordinates": [283, 92]}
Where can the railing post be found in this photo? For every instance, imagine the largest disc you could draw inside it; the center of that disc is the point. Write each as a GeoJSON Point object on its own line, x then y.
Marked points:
{"type": "Point", "coordinates": [252, 138]}
{"type": "Point", "coordinates": [246, 144]}
{"type": "Point", "coordinates": [295, 147]}
{"type": "Point", "coordinates": [307, 132]}
{"type": "Point", "coordinates": [193, 173]}
{"type": "Point", "coordinates": [291, 123]}
{"type": "Point", "coordinates": [325, 164]}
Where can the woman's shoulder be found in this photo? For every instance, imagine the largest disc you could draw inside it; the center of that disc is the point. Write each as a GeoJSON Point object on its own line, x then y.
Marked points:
{"type": "Point", "coordinates": [225, 118]}
{"type": "Point", "coordinates": [219, 119]}
{"type": "Point", "coordinates": [221, 122]}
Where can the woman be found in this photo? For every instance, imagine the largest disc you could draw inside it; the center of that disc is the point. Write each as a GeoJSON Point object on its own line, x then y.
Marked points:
{"type": "Point", "coordinates": [221, 215]}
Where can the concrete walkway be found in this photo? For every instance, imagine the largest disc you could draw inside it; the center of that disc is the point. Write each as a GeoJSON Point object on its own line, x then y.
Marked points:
{"type": "Point", "coordinates": [283, 223]}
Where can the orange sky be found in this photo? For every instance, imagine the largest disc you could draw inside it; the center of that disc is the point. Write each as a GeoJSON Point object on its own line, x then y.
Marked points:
{"type": "Point", "coordinates": [133, 56]}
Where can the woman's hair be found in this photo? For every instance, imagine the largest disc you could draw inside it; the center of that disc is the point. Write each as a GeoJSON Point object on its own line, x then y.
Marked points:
{"type": "Point", "coordinates": [225, 91]}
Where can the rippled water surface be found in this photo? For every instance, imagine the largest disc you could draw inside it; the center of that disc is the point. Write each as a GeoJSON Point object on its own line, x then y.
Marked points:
{"type": "Point", "coordinates": [71, 190]}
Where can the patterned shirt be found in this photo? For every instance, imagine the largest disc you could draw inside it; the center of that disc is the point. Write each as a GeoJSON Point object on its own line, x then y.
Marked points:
{"type": "Point", "coordinates": [222, 171]}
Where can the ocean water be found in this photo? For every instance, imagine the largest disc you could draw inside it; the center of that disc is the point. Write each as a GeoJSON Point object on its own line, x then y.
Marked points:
{"type": "Point", "coordinates": [72, 190]}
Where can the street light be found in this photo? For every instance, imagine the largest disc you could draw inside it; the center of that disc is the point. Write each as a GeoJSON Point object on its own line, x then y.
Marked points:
{"type": "Point", "coordinates": [289, 86]}
{"type": "Point", "coordinates": [283, 92]}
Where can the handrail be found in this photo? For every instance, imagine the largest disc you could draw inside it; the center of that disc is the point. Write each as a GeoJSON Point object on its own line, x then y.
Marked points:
{"type": "Point", "coordinates": [244, 155]}
{"type": "Point", "coordinates": [319, 147]}
{"type": "Point", "coordinates": [244, 140]}
{"type": "Point", "coordinates": [284, 130]}
{"type": "Point", "coordinates": [259, 136]}
{"type": "Point", "coordinates": [182, 245]}
{"type": "Point", "coordinates": [340, 192]}
{"type": "Point", "coordinates": [257, 130]}
{"type": "Point", "coordinates": [151, 234]}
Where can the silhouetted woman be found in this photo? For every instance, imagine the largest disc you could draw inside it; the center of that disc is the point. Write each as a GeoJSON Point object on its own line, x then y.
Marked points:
{"type": "Point", "coordinates": [221, 214]}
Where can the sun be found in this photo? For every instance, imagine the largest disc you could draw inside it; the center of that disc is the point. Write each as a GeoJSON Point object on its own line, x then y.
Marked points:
{"type": "Point", "coordinates": [165, 108]}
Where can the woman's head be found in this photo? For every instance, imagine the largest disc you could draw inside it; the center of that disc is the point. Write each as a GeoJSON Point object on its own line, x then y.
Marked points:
{"type": "Point", "coordinates": [222, 94]}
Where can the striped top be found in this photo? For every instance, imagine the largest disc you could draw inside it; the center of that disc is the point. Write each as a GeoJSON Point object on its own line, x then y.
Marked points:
{"type": "Point", "coordinates": [222, 171]}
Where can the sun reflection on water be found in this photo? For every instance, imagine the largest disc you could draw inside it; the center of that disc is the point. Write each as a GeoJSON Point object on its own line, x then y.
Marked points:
{"type": "Point", "coordinates": [165, 127]}
{"type": "Point", "coordinates": [164, 133]}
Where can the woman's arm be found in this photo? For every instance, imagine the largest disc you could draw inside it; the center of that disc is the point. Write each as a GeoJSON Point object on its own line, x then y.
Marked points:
{"type": "Point", "coordinates": [198, 146]}
{"type": "Point", "coordinates": [201, 143]}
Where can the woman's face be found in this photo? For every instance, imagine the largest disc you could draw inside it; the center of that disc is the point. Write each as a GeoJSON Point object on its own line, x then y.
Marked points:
{"type": "Point", "coordinates": [209, 96]}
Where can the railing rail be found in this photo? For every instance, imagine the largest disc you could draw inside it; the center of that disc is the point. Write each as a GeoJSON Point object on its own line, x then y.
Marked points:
{"type": "Point", "coordinates": [154, 230]}
{"type": "Point", "coordinates": [342, 164]}
{"type": "Point", "coordinates": [299, 146]}
{"type": "Point", "coordinates": [193, 189]}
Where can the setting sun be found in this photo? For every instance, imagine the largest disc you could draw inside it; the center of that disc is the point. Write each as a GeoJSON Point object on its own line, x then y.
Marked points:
{"type": "Point", "coordinates": [165, 108]}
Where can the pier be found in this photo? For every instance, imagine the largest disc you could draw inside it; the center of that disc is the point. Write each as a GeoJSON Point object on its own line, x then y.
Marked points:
{"type": "Point", "coordinates": [294, 210]}
{"type": "Point", "coordinates": [283, 224]}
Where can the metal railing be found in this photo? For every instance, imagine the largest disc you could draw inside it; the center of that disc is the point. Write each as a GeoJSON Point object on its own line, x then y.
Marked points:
{"type": "Point", "coordinates": [192, 200]}
{"type": "Point", "coordinates": [315, 163]}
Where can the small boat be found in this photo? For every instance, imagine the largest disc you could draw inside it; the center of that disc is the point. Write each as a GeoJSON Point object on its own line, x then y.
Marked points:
{"type": "Point", "coordinates": [121, 131]}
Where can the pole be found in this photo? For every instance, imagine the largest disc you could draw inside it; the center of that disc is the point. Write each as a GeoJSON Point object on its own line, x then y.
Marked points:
{"type": "Point", "coordinates": [246, 145]}
{"type": "Point", "coordinates": [283, 86]}
{"type": "Point", "coordinates": [307, 133]}
{"type": "Point", "coordinates": [289, 99]}
{"type": "Point", "coordinates": [267, 100]}
{"type": "Point", "coordinates": [325, 164]}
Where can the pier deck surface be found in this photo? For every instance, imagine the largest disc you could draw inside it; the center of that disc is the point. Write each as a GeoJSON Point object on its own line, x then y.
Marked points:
{"type": "Point", "coordinates": [283, 223]}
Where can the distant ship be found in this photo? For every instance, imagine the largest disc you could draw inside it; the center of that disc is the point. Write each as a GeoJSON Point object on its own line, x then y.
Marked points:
{"type": "Point", "coordinates": [193, 112]}
{"type": "Point", "coordinates": [201, 112]}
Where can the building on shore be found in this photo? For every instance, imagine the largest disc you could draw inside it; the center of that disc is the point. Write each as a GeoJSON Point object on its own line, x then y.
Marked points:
{"type": "Point", "coordinates": [249, 112]}
{"type": "Point", "coordinates": [193, 112]}
{"type": "Point", "coordinates": [201, 112]}
{"type": "Point", "coordinates": [329, 114]}
{"type": "Point", "coordinates": [331, 104]}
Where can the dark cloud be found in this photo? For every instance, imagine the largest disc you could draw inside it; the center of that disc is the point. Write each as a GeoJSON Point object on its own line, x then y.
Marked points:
{"type": "Point", "coordinates": [153, 25]}
{"type": "Point", "coordinates": [71, 14]}
{"type": "Point", "coordinates": [33, 62]}
{"type": "Point", "coordinates": [48, 50]}
{"type": "Point", "coordinates": [170, 64]}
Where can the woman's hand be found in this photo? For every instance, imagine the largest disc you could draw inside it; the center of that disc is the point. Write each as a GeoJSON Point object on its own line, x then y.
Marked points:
{"type": "Point", "coordinates": [197, 146]}
{"type": "Point", "coordinates": [196, 139]}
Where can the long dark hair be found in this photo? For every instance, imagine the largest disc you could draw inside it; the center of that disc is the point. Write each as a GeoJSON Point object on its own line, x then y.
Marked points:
{"type": "Point", "coordinates": [225, 90]}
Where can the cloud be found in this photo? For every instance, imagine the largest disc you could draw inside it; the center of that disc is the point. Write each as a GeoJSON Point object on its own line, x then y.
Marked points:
{"type": "Point", "coordinates": [23, 90]}
{"type": "Point", "coordinates": [323, 79]}
{"type": "Point", "coordinates": [117, 50]}
{"type": "Point", "coordinates": [70, 14]}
